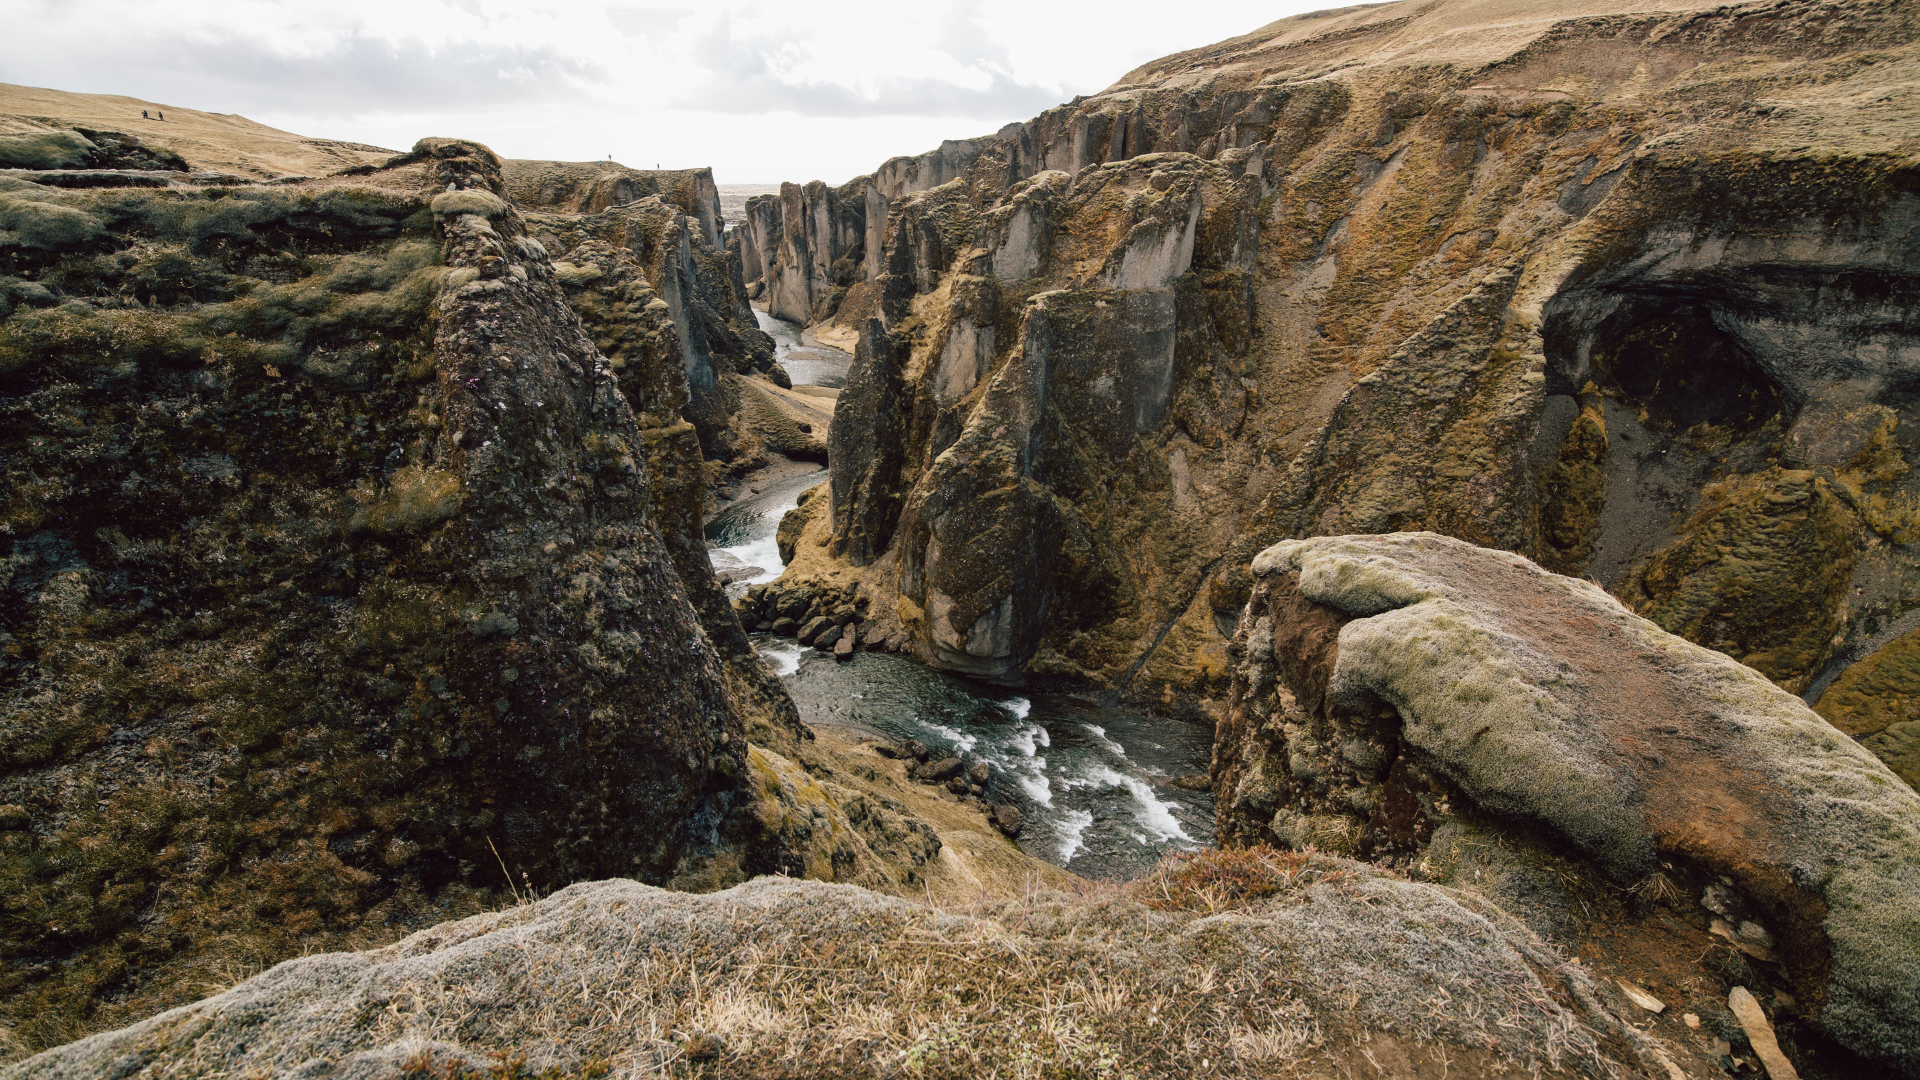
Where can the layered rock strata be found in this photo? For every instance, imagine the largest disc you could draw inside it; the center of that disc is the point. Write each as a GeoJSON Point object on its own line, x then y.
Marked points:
{"type": "Point", "coordinates": [1386, 687]}
{"type": "Point", "coordinates": [703, 300]}
{"type": "Point", "coordinates": [1629, 293]}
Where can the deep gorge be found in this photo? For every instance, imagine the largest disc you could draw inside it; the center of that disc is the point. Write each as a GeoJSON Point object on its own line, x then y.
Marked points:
{"type": "Point", "coordinates": [1389, 538]}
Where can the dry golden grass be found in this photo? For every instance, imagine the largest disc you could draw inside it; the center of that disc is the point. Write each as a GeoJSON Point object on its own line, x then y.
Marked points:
{"type": "Point", "coordinates": [1044, 985]}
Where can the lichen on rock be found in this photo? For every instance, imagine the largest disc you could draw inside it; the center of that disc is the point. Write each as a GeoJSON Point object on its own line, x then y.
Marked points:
{"type": "Point", "coordinates": [1385, 676]}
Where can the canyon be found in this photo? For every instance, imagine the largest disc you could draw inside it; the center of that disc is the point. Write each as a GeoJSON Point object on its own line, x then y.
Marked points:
{"type": "Point", "coordinates": [1475, 438]}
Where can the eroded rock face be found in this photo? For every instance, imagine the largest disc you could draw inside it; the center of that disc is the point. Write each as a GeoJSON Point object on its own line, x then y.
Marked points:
{"type": "Point", "coordinates": [699, 289]}
{"type": "Point", "coordinates": [1658, 331]}
{"type": "Point", "coordinates": [1381, 677]}
{"type": "Point", "coordinates": [334, 588]}
{"type": "Point", "coordinates": [592, 187]}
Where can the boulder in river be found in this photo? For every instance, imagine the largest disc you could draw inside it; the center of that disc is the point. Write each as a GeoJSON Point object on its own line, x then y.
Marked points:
{"type": "Point", "coordinates": [942, 770]}
{"type": "Point", "coordinates": [1006, 818]}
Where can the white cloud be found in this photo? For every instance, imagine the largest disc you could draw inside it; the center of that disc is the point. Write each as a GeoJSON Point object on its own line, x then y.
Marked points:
{"type": "Point", "coordinates": [760, 91]}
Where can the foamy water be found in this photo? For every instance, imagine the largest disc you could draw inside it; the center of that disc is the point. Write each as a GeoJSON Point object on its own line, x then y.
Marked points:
{"type": "Point", "coordinates": [746, 530]}
{"type": "Point", "coordinates": [1092, 777]}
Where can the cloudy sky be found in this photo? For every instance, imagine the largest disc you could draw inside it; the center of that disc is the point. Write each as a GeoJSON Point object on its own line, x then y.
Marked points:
{"type": "Point", "coordinates": [760, 91]}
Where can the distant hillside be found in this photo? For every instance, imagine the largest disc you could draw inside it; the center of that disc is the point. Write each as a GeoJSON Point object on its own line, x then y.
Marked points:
{"type": "Point", "coordinates": [211, 142]}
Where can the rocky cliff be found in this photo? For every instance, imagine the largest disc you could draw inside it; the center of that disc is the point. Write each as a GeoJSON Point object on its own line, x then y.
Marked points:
{"type": "Point", "coordinates": [351, 575]}
{"type": "Point", "coordinates": [1420, 701]}
{"type": "Point", "coordinates": [1631, 293]}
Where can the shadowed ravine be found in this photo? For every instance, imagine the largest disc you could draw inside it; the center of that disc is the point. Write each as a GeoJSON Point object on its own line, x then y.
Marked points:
{"type": "Point", "coordinates": [1092, 777]}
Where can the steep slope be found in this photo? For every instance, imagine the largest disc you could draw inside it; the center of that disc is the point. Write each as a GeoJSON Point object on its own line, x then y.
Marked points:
{"type": "Point", "coordinates": [345, 581]}
{"type": "Point", "coordinates": [1630, 292]}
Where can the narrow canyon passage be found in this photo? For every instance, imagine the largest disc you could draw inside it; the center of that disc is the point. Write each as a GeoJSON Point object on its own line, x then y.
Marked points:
{"type": "Point", "coordinates": [1093, 777]}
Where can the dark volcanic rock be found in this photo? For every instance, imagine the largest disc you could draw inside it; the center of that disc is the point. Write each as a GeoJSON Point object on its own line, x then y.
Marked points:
{"type": "Point", "coordinates": [942, 770]}
{"type": "Point", "coordinates": [1006, 818]}
{"type": "Point", "coordinates": [333, 582]}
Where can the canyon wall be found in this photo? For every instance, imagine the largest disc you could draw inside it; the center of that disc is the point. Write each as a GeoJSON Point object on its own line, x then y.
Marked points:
{"type": "Point", "coordinates": [352, 577]}
{"type": "Point", "coordinates": [1629, 293]}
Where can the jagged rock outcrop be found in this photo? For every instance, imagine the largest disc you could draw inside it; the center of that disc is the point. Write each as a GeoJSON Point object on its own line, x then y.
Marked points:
{"type": "Point", "coordinates": [801, 979]}
{"type": "Point", "coordinates": [1384, 684]}
{"type": "Point", "coordinates": [589, 187]}
{"type": "Point", "coordinates": [700, 289]}
{"type": "Point", "coordinates": [338, 581]}
{"type": "Point", "coordinates": [1632, 294]}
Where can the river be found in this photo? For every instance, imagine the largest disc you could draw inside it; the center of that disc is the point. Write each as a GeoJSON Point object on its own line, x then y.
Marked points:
{"type": "Point", "coordinates": [1091, 774]}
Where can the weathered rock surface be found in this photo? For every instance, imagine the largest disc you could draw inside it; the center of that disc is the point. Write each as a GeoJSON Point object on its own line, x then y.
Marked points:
{"type": "Point", "coordinates": [1380, 676]}
{"type": "Point", "coordinates": [617, 974]}
{"type": "Point", "coordinates": [700, 294]}
{"type": "Point", "coordinates": [345, 564]}
{"type": "Point", "coordinates": [84, 148]}
{"type": "Point", "coordinates": [590, 187]}
{"type": "Point", "coordinates": [1630, 293]}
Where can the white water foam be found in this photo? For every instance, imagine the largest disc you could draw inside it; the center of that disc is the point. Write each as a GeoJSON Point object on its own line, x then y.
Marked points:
{"type": "Point", "coordinates": [1036, 785]}
{"type": "Point", "coordinates": [1029, 739]}
{"type": "Point", "coordinates": [963, 743]}
{"type": "Point", "coordinates": [1019, 707]}
{"type": "Point", "coordinates": [1073, 824]}
{"type": "Point", "coordinates": [781, 654]}
{"type": "Point", "coordinates": [1150, 812]}
{"type": "Point", "coordinates": [1100, 733]}
{"type": "Point", "coordinates": [764, 554]}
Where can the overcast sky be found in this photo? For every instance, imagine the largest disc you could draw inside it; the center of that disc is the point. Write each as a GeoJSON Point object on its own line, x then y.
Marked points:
{"type": "Point", "coordinates": [760, 91]}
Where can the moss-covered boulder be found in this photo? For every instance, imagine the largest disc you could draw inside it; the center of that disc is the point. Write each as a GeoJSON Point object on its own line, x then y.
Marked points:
{"type": "Point", "coordinates": [1381, 677]}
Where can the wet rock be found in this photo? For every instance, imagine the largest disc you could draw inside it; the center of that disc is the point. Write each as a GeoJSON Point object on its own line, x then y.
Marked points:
{"type": "Point", "coordinates": [940, 771]}
{"type": "Point", "coordinates": [783, 626]}
{"type": "Point", "coordinates": [1007, 818]}
{"type": "Point", "coordinates": [843, 649]}
{"type": "Point", "coordinates": [979, 774]}
{"type": "Point", "coordinates": [793, 605]}
{"type": "Point", "coordinates": [814, 628]}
